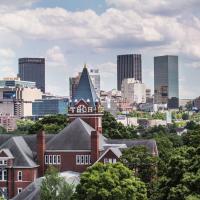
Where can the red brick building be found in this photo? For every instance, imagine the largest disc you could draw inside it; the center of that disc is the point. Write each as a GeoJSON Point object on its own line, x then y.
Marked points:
{"type": "Point", "coordinates": [79, 145]}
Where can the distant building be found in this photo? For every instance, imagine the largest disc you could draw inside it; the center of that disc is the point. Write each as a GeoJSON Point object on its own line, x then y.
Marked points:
{"type": "Point", "coordinates": [42, 107]}
{"type": "Point", "coordinates": [166, 81]}
{"type": "Point", "coordinates": [73, 84]}
{"type": "Point", "coordinates": [16, 97]}
{"type": "Point", "coordinates": [74, 81]}
{"type": "Point", "coordinates": [95, 77]}
{"type": "Point", "coordinates": [33, 69]}
{"type": "Point", "coordinates": [196, 103]}
{"type": "Point", "coordinates": [133, 91]}
{"type": "Point", "coordinates": [128, 66]}
{"type": "Point", "coordinates": [8, 122]}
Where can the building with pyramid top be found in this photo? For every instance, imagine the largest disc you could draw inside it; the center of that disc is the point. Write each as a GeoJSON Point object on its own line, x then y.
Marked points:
{"type": "Point", "coordinates": [76, 147]}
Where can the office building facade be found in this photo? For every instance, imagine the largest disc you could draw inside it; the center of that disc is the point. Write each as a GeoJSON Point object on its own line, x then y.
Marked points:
{"type": "Point", "coordinates": [33, 69]}
{"type": "Point", "coordinates": [128, 66]}
{"type": "Point", "coordinates": [42, 107]}
{"type": "Point", "coordinates": [95, 77]}
{"type": "Point", "coordinates": [166, 85]}
{"type": "Point", "coordinates": [133, 91]}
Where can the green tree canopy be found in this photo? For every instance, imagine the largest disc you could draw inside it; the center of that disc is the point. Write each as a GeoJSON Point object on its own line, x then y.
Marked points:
{"type": "Point", "coordinates": [141, 161]}
{"type": "Point", "coordinates": [108, 182]}
{"type": "Point", "coordinates": [55, 187]}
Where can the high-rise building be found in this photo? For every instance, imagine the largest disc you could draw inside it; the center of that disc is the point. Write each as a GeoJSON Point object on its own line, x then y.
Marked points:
{"type": "Point", "coordinates": [73, 84]}
{"type": "Point", "coordinates": [95, 77]}
{"type": "Point", "coordinates": [133, 91]}
{"type": "Point", "coordinates": [128, 66]}
{"type": "Point", "coordinates": [33, 69]}
{"type": "Point", "coordinates": [166, 86]}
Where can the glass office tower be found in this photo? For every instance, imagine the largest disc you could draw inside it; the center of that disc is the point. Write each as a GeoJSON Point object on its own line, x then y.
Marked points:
{"type": "Point", "coordinates": [166, 86]}
{"type": "Point", "coordinates": [33, 69]}
{"type": "Point", "coordinates": [128, 66]}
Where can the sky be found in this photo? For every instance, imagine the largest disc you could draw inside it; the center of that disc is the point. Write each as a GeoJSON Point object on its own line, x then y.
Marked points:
{"type": "Point", "coordinates": [70, 33]}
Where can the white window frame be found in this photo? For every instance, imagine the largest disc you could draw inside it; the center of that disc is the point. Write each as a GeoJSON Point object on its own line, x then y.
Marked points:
{"type": "Point", "coordinates": [46, 159]}
{"type": "Point", "coordinates": [19, 174]}
{"type": "Point", "coordinates": [50, 159]}
{"type": "Point", "coordinates": [3, 175]}
{"type": "Point", "coordinates": [86, 159]}
{"type": "Point", "coordinates": [58, 159]}
{"type": "Point", "coordinates": [106, 160]}
{"type": "Point", "coordinates": [82, 159]}
{"type": "Point", "coordinates": [19, 190]}
{"type": "Point", "coordinates": [78, 159]}
{"type": "Point", "coordinates": [3, 162]}
{"type": "Point", "coordinates": [54, 159]}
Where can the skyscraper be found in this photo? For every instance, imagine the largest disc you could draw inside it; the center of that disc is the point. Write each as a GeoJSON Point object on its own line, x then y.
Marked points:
{"type": "Point", "coordinates": [33, 69]}
{"type": "Point", "coordinates": [95, 77]}
{"type": "Point", "coordinates": [166, 87]}
{"type": "Point", "coordinates": [73, 84]}
{"type": "Point", "coordinates": [128, 66]}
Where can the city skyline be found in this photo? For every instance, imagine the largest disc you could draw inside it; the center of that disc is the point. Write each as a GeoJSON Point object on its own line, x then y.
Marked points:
{"type": "Point", "coordinates": [68, 36]}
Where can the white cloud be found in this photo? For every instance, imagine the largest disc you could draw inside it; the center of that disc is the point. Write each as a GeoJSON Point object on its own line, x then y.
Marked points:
{"type": "Point", "coordinates": [55, 55]}
{"type": "Point", "coordinates": [7, 53]}
{"type": "Point", "coordinates": [7, 71]}
{"type": "Point", "coordinates": [162, 7]}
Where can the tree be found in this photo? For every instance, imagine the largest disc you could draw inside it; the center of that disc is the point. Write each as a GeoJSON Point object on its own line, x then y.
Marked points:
{"type": "Point", "coordinates": [51, 124]}
{"type": "Point", "coordinates": [141, 161]}
{"type": "Point", "coordinates": [185, 116]}
{"type": "Point", "coordinates": [108, 182]}
{"type": "Point", "coordinates": [2, 130]}
{"type": "Point", "coordinates": [55, 187]}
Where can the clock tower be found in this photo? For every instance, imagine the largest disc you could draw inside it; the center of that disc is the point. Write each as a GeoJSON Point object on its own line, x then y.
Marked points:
{"type": "Point", "coordinates": [86, 104]}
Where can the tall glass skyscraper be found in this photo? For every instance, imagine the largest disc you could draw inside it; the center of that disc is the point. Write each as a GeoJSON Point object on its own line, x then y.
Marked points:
{"type": "Point", "coordinates": [128, 66]}
{"type": "Point", "coordinates": [166, 83]}
{"type": "Point", "coordinates": [33, 69]}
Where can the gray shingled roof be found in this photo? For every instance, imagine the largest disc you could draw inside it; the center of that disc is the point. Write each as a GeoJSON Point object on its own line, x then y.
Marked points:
{"type": "Point", "coordinates": [20, 151]}
{"type": "Point", "coordinates": [85, 89]}
{"type": "Point", "coordinates": [150, 144]}
{"type": "Point", "coordinates": [76, 136]}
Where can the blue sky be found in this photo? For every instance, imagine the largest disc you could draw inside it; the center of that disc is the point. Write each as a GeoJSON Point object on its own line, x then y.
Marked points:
{"type": "Point", "coordinates": [69, 33]}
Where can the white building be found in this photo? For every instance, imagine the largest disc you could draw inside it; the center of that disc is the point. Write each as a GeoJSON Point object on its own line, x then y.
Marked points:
{"type": "Point", "coordinates": [95, 77]}
{"type": "Point", "coordinates": [16, 97]}
{"type": "Point", "coordinates": [133, 91]}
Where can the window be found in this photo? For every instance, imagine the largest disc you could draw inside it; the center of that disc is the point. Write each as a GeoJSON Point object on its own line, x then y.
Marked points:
{"type": "Point", "coordinates": [19, 190]}
{"type": "Point", "coordinates": [110, 160]}
{"type": "Point", "coordinates": [54, 159]}
{"type": "Point", "coordinates": [50, 159]}
{"type": "Point", "coordinates": [3, 162]}
{"type": "Point", "coordinates": [46, 159]}
{"type": "Point", "coordinates": [3, 175]}
{"type": "Point", "coordinates": [58, 159]}
{"type": "Point", "coordinates": [19, 176]}
{"type": "Point", "coordinates": [83, 159]}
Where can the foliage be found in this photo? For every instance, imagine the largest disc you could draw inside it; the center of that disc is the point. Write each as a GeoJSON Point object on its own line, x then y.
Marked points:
{"type": "Point", "coordinates": [55, 187]}
{"type": "Point", "coordinates": [108, 182]}
{"type": "Point", "coordinates": [141, 161]}
{"type": "Point", "coordinates": [2, 130]}
{"type": "Point", "coordinates": [113, 129]}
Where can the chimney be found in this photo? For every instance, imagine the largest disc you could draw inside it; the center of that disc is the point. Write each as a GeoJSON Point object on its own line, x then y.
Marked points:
{"type": "Point", "coordinates": [41, 147]}
{"type": "Point", "coordinates": [94, 146]}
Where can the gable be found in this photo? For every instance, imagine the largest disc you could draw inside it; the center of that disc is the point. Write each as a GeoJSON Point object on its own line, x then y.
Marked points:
{"type": "Point", "coordinates": [3, 154]}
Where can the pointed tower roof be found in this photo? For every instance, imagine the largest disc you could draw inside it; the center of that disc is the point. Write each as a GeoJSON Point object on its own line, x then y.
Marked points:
{"type": "Point", "coordinates": [85, 89]}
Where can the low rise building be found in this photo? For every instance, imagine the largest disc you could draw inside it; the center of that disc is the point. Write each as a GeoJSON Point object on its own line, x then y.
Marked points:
{"type": "Point", "coordinates": [16, 97]}
{"type": "Point", "coordinates": [9, 122]}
